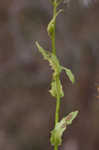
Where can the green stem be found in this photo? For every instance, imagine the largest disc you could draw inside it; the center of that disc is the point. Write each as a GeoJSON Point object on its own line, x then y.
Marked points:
{"type": "Point", "coordinates": [56, 147]}
{"type": "Point", "coordinates": [57, 101]}
{"type": "Point", "coordinates": [57, 78]}
{"type": "Point", "coordinates": [53, 36]}
{"type": "Point", "coordinates": [57, 110]}
{"type": "Point", "coordinates": [57, 105]}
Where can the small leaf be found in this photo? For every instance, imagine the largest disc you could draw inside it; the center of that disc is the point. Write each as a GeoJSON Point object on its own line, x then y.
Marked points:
{"type": "Point", "coordinates": [70, 117]}
{"type": "Point", "coordinates": [45, 53]}
{"type": "Point", "coordinates": [50, 28]}
{"type": "Point", "coordinates": [57, 132]}
{"type": "Point", "coordinates": [69, 74]}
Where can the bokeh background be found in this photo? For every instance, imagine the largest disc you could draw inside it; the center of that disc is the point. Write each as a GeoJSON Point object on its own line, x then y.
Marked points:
{"type": "Point", "coordinates": [26, 107]}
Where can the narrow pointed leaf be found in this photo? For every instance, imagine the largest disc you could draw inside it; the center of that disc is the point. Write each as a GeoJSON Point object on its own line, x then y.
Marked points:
{"type": "Point", "coordinates": [69, 74]}
{"type": "Point", "coordinates": [70, 117]}
{"type": "Point", "coordinates": [45, 54]}
{"type": "Point", "coordinates": [52, 59]}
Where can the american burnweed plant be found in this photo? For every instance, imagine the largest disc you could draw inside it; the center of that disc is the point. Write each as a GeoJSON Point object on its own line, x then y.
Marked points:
{"type": "Point", "coordinates": [56, 87]}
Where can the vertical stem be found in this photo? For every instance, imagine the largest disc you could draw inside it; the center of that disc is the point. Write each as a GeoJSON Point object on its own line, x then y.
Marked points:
{"type": "Point", "coordinates": [57, 110]}
{"type": "Point", "coordinates": [53, 36]}
{"type": "Point", "coordinates": [57, 101]}
{"type": "Point", "coordinates": [57, 78]}
{"type": "Point", "coordinates": [56, 147]}
{"type": "Point", "coordinates": [57, 105]}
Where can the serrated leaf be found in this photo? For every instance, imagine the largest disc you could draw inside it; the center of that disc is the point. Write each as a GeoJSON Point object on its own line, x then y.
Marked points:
{"type": "Point", "coordinates": [56, 67]}
{"type": "Point", "coordinates": [69, 74]}
{"type": "Point", "coordinates": [52, 59]}
{"type": "Point", "coordinates": [57, 132]}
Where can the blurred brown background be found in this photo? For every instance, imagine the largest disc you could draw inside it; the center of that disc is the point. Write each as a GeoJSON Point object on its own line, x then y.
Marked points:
{"type": "Point", "coordinates": [26, 107]}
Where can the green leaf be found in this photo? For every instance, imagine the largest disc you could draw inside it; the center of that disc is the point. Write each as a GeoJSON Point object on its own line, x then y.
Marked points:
{"type": "Point", "coordinates": [57, 132]}
{"type": "Point", "coordinates": [45, 54]}
{"type": "Point", "coordinates": [50, 28]}
{"type": "Point", "coordinates": [56, 67]}
{"type": "Point", "coordinates": [69, 74]}
{"type": "Point", "coordinates": [52, 59]}
{"type": "Point", "coordinates": [54, 91]}
{"type": "Point", "coordinates": [71, 116]}
{"type": "Point", "coordinates": [54, 63]}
